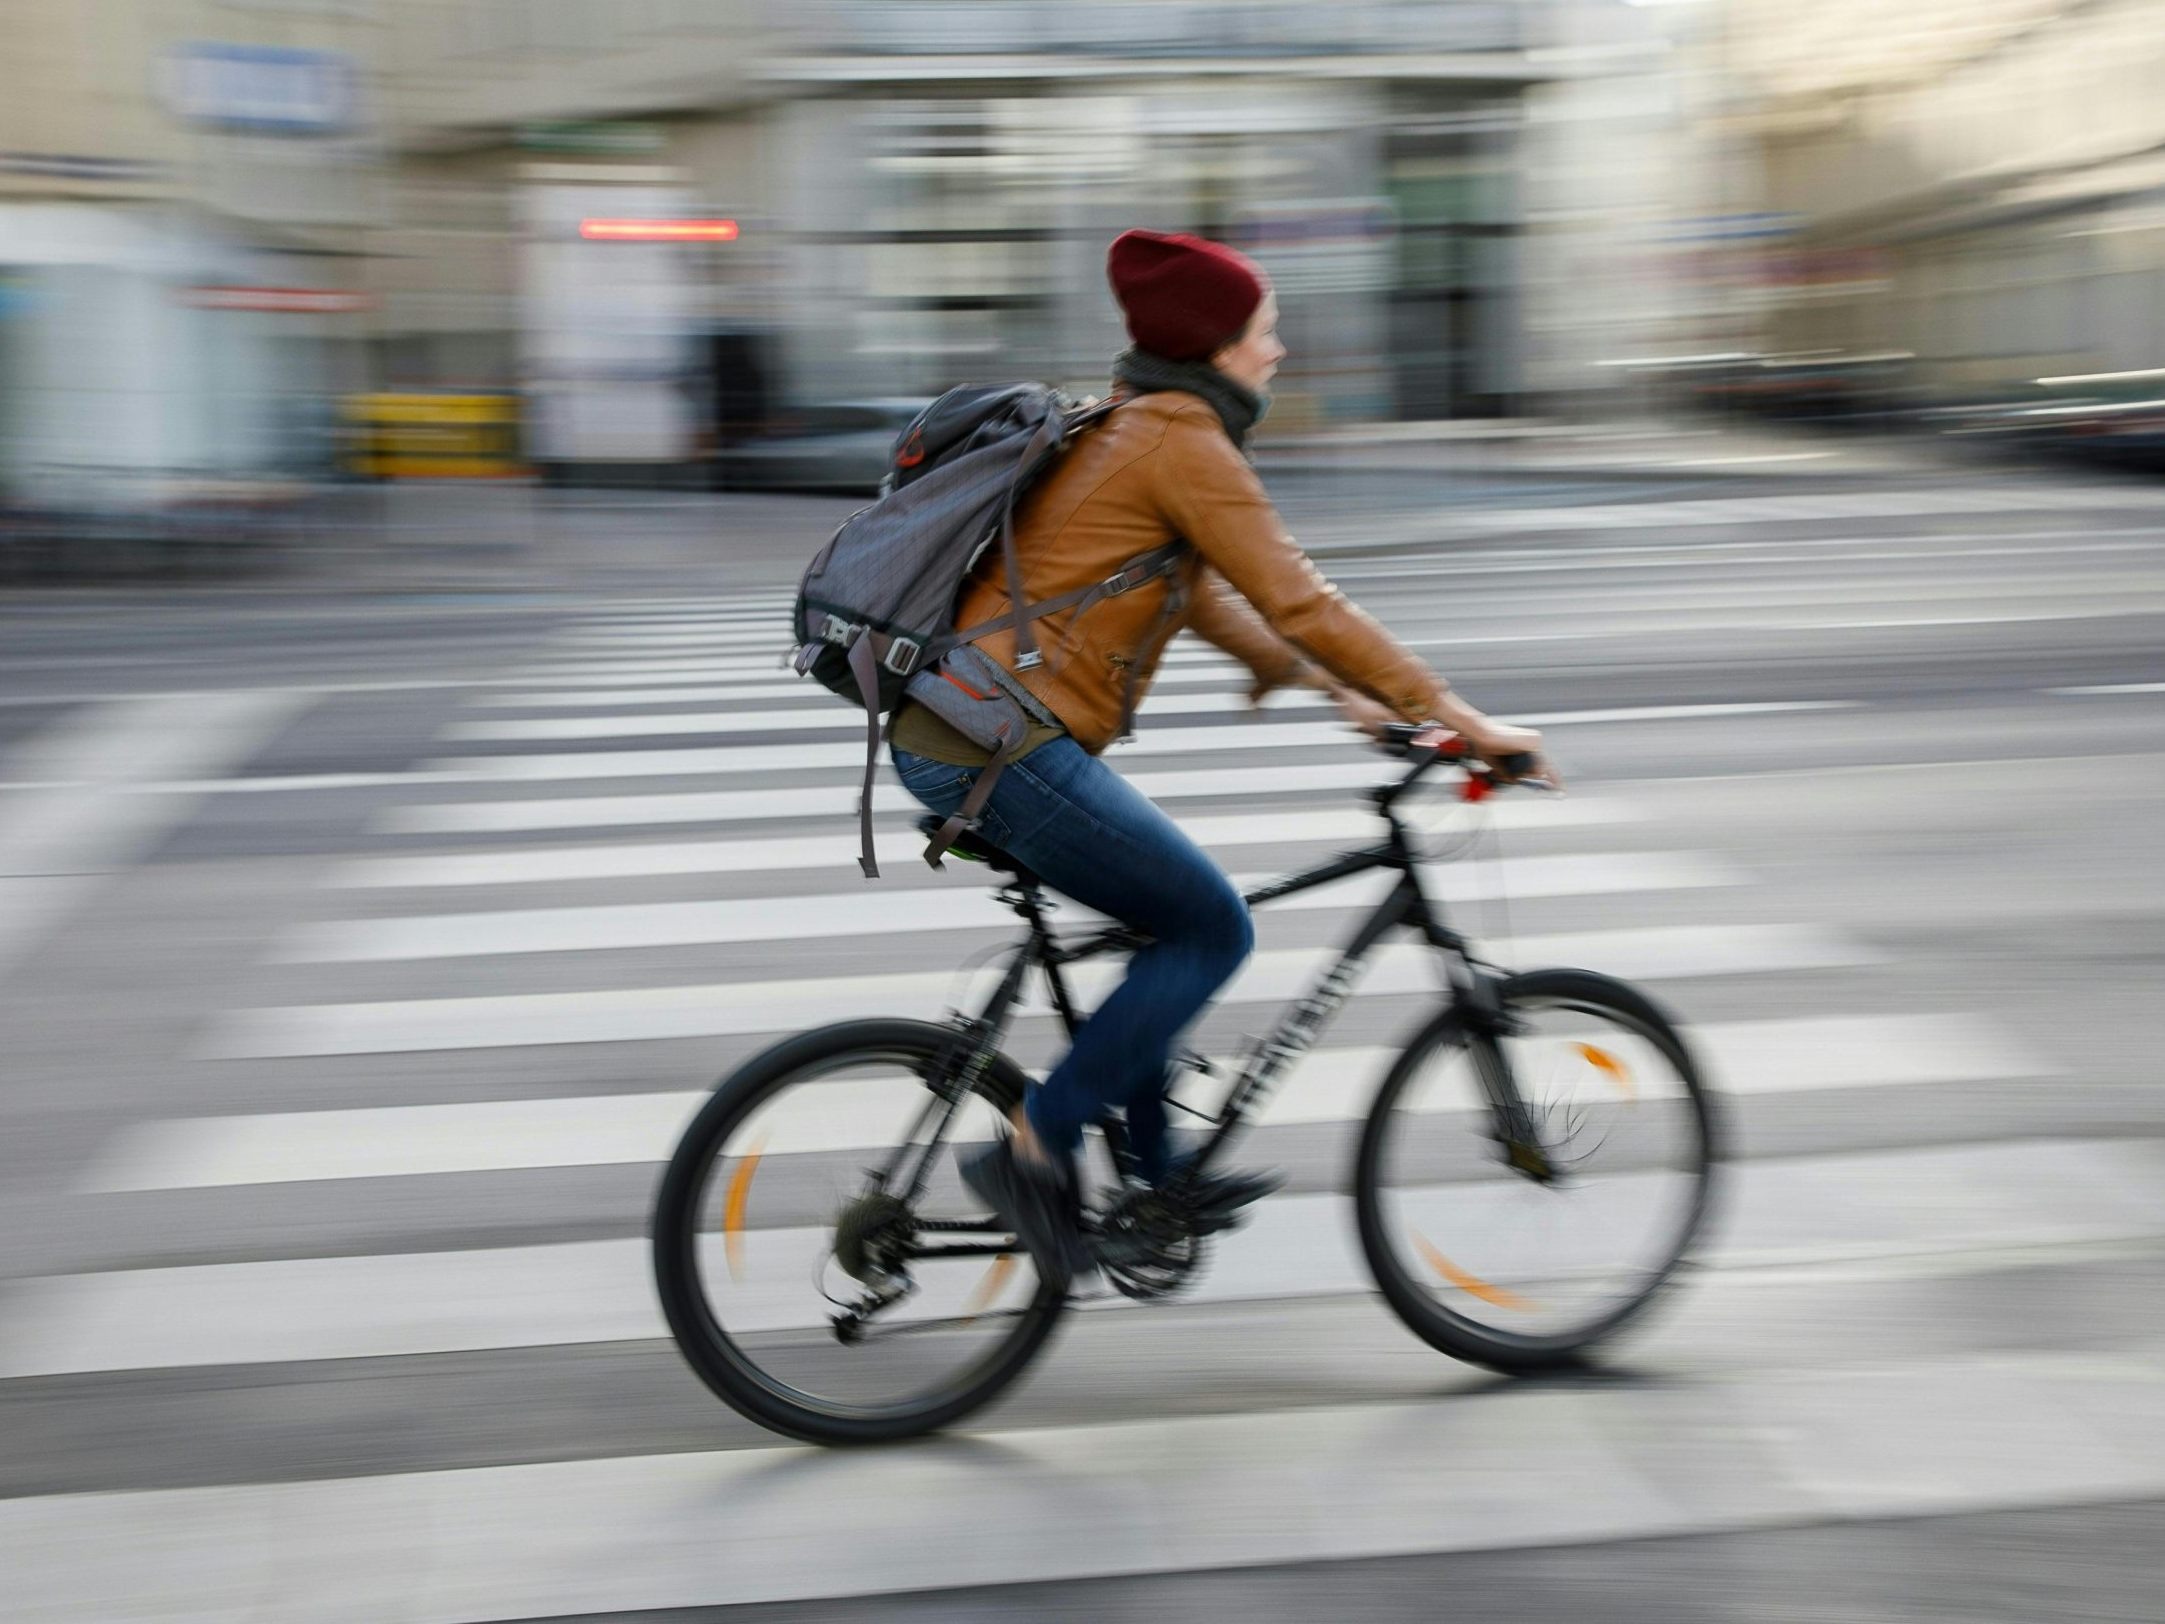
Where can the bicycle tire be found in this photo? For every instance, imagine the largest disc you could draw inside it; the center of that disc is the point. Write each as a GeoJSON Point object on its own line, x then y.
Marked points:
{"type": "Point", "coordinates": [716, 1357]}
{"type": "Point", "coordinates": [1409, 1297]}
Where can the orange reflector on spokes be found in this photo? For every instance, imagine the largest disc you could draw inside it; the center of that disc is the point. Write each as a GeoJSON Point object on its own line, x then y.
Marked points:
{"type": "Point", "coordinates": [1603, 1061]}
{"type": "Point", "coordinates": [740, 1190]}
{"type": "Point", "coordinates": [987, 1291]}
{"type": "Point", "coordinates": [1453, 1275]}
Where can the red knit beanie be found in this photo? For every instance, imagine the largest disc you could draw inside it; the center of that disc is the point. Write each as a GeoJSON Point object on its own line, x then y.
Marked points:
{"type": "Point", "coordinates": [1184, 298]}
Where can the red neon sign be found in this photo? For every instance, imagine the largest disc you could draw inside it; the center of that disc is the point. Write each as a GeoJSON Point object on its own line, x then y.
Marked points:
{"type": "Point", "coordinates": [658, 230]}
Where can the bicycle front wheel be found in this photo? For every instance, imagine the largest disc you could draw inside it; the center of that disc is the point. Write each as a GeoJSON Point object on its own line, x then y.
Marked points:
{"type": "Point", "coordinates": [1521, 1199]}
{"type": "Point", "coordinates": [819, 1262]}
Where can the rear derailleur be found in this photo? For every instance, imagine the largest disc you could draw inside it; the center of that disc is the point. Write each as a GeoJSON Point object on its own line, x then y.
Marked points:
{"type": "Point", "coordinates": [872, 1240]}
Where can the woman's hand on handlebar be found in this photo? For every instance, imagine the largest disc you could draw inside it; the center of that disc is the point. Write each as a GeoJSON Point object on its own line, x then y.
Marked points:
{"type": "Point", "coordinates": [1512, 753]}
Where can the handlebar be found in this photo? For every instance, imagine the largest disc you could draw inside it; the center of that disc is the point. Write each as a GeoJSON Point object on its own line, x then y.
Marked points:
{"type": "Point", "coordinates": [1430, 744]}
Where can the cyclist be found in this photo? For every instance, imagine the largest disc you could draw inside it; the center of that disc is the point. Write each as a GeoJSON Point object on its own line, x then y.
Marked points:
{"type": "Point", "coordinates": [1170, 462]}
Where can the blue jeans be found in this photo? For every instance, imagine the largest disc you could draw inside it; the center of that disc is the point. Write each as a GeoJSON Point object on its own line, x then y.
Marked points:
{"type": "Point", "coordinates": [1093, 836]}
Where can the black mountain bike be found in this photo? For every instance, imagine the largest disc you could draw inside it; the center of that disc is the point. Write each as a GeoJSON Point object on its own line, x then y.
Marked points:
{"type": "Point", "coordinates": [1534, 1167]}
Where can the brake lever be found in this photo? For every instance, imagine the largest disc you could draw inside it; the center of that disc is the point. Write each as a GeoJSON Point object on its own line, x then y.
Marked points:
{"type": "Point", "coordinates": [1483, 779]}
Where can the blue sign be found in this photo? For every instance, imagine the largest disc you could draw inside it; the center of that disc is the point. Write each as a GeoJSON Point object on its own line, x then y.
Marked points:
{"type": "Point", "coordinates": [262, 87]}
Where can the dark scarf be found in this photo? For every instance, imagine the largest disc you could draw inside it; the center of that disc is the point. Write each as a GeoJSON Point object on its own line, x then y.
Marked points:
{"type": "Point", "coordinates": [1238, 408]}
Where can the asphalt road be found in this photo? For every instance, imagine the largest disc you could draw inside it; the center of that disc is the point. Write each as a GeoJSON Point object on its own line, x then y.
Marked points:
{"type": "Point", "coordinates": [368, 932]}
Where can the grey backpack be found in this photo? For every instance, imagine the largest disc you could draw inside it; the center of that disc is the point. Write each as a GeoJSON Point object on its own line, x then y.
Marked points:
{"type": "Point", "coordinates": [875, 611]}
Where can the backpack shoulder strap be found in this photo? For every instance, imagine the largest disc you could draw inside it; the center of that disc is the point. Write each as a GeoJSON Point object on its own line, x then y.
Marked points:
{"type": "Point", "coordinates": [1057, 428]}
{"type": "Point", "coordinates": [1046, 435]}
{"type": "Point", "coordinates": [1137, 571]}
{"type": "Point", "coordinates": [864, 666]}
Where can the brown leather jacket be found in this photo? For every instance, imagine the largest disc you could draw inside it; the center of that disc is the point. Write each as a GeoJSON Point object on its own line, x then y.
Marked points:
{"type": "Point", "coordinates": [1162, 467]}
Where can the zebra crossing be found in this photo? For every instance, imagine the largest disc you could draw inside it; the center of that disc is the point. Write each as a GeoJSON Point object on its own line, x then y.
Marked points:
{"type": "Point", "coordinates": [501, 910]}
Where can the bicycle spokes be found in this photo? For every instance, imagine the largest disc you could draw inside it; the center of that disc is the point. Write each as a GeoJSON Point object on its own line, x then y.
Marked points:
{"type": "Point", "coordinates": [1592, 1164]}
{"type": "Point", "coordinates": [809, 1257]}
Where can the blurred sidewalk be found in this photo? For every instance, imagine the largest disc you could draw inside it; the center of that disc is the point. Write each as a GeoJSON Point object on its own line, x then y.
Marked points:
{"type": "Point", "coordinates": [1537, 446]}
{"type": "Point", "coordinates": [1389, 485]}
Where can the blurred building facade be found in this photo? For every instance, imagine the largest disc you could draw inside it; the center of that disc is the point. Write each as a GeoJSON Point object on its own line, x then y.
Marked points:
{"type": "Point", "coordinates": [921, 192]}
{"type": "Point", "coordinates": [666, 223]}
{"type": "Point", "coordinates": [1981, 185]}
{"type": "Point", "coordinates": [186, 189]}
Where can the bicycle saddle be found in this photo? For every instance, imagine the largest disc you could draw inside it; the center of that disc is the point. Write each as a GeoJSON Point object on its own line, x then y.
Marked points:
{"type": "Point", "coordinates": [974, 848]}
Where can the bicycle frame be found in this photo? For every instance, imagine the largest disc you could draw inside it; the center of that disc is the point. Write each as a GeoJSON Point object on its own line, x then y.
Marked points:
{"type": "Point", "coordinates": [1470, 982]}
{"type": "Point", "coordinates": [1405, 907]}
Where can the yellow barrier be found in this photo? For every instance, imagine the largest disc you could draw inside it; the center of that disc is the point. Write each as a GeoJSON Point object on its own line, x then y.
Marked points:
{"type": "Point", "coordinates": [428, 436]}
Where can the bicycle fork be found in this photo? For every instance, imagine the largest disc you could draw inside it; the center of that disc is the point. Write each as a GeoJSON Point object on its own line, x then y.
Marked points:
{"type": "Point", "coordinates": [1516, 1125]}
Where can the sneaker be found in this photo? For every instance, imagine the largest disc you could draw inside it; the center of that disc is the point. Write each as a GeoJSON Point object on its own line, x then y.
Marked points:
{"type": "Point", "coordinates": [1218, 1201]}
{"type": "Point", "coordinates": [1038, 1200]}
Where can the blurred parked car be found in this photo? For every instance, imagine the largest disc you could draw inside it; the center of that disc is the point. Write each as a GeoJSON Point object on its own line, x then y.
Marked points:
{"type": "Point", "coordinates": [2112, 418]}
{"type": "Point", "coordinates": [842, 446]}
{"type": "Point", "coordinates": [1829, 387]}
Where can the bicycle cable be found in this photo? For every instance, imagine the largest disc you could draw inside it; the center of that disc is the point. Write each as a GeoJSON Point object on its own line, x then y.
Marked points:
{"type": "Point", "coordinates": [1465, 845]}
{"type": "Point", "coordinates": [1501, 900]}
{"type": "Point", "coordinates": [970, 966]}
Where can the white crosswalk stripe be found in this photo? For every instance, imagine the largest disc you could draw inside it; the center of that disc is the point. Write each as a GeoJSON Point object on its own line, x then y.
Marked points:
{"type": "Point", "coordinates": [750, 854]}
{"type": "Point", "coordinates": [736, 806]}
{"type": "Point", "coordinates": [623, 1015]}
{"type": "Point", "coordinates": [913, 912]}
{"type": "Point", "coordinates": [751, 689]}
{"type": "Point", "coordinates": [553, 728]}
{"type": "Point", "coordinates": [1333, 1084]}
{"type": "Point", "coordinates": [1171, 741]}
{"type": "Point", "coordinates": [602, 669]}
{"type": "Point", "coordinates": [822, 852]}
{"type": "Point", "coordinates": [1297, 1246]}
{"type": "Point", "coordinates": [739, 760]}
{"type": "Point", "coordinates": [827, 719]}
{"type": "Point", "coordinates": [740, 805]}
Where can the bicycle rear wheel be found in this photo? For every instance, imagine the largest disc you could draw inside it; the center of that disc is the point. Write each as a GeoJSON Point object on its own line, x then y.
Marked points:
{"type": "Point", "coordinates": [1521, 1250]}
{"type": "Point", "coordinates": [818, 1260]}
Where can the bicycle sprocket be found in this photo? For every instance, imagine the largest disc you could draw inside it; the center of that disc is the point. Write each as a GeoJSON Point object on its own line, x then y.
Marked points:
{"type": "Point", "coordinates": [1147, 1247]}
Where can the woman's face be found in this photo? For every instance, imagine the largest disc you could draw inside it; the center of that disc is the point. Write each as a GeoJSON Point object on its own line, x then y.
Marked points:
{"type": "Point", "coordinates": [1251, 360]}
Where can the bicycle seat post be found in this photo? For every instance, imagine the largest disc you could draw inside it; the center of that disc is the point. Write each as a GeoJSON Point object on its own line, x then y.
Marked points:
{"type": "Point", "coordinates": [1027, 899]}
